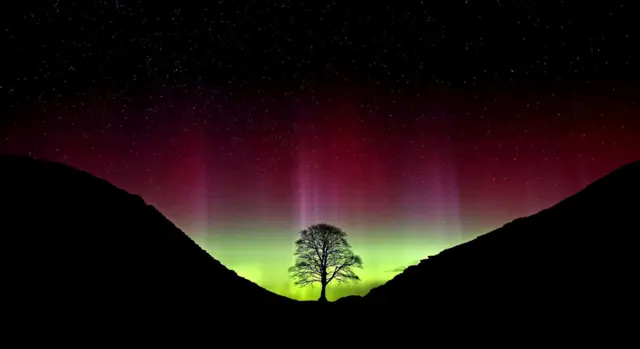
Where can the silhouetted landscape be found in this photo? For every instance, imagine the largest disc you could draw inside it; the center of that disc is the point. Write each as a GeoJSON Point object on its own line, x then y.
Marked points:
{"type": "Point", "coordinates": [320, 169]}
{"type": "Point", "coordinates": [575, 256]}
{"type": "Point", "coordinates": [77, 243]}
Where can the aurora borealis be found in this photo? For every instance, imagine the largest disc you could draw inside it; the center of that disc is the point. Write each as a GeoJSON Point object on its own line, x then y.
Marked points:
{"type": "Point", "coordinates": [412, 144]}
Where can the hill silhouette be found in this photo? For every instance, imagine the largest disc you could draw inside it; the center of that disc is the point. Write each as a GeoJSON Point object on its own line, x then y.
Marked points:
{"type": "Point", "coordinates": [75, 242]}
{"type": "Point", "coordinates": [578, 256]}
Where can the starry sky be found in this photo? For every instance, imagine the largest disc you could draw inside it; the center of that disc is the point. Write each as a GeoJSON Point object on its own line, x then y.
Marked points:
{"type": "Point", "coordinates": [413, 127]}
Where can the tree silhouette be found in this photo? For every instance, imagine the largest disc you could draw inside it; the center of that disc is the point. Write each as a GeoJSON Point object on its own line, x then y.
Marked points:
{"type": "Point", "coordinates": [323, 255]}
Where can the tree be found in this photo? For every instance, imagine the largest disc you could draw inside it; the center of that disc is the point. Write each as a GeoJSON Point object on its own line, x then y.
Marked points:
{"type": "Point", "coordinates": [323, 255]}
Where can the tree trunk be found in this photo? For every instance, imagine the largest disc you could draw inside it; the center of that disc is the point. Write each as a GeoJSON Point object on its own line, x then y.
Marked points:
{"type": "Point", "coordinates": [323, 293]}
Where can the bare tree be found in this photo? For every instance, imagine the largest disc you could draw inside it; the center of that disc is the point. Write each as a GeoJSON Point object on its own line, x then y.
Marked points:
{"type": "Point", "coordinates": [323, 255]}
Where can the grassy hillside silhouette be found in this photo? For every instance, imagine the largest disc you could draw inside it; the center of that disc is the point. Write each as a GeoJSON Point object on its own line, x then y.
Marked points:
{"type": "Point", "coordinates": [578, 255]}
{"type": "Point", "coordinates": [76, 242]}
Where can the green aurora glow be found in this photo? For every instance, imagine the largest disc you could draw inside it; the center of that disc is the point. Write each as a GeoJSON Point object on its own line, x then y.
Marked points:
{"type": "Point", "coordinates": [265, 260]}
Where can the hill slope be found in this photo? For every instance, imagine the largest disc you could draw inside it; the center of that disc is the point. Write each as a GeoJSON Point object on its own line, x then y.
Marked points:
{"type": "Point", "coordinates": [72, 240]}
{"type": "Point", "coordinates": [579, 253]}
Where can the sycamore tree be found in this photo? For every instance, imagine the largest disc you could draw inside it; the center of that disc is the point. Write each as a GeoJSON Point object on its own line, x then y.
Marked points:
{"type": "Point", "coordinates": [323, 255]}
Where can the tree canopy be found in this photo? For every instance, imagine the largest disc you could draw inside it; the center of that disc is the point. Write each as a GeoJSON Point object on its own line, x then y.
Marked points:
{"type": "Point", "coordinates": [323, 255]}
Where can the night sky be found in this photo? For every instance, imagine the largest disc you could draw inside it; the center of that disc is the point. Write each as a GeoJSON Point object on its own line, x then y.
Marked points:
{"type": "Point", "coordinates": [413, 127]}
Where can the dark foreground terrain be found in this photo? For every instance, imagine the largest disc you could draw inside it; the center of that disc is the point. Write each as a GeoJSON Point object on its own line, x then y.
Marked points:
{"type": "Point", "coordinates": [578, 258]}
{"type": "Point", "coordinates": [75, 244]}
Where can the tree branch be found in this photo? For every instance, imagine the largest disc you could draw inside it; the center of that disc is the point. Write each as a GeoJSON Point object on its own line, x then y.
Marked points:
{"type": "Point", "coordinates": [323, 250]}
